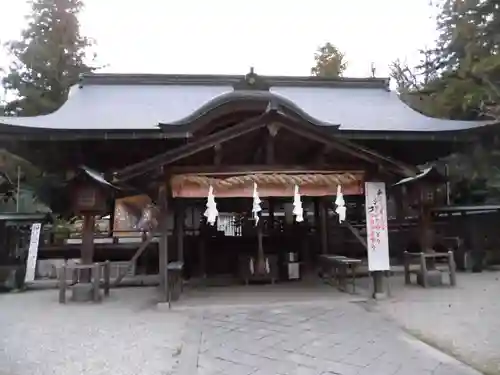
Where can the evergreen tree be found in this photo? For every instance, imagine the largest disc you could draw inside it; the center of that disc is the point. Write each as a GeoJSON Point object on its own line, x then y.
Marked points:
{"type": "Point", "coordinates": [466, 55]}
{"type": "Point", "coordinates": [330, 62]}
{"type": "Point", "coordinates": [463, 70]}
{"type": "Point", "coordinates": [464, 67]}
{"type": "Point", "coordinates": [49, 58]}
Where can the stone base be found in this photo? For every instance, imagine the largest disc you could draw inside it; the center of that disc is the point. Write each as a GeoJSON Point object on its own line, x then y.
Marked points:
{"type": "Point", "coordinates": [82, 292]}
{"type": "Point", "coordinates": [12, 277]}
{"type": "Point", "coordinates": [434, 278]}
{"type": "Point", "coordinates": [380, 296]}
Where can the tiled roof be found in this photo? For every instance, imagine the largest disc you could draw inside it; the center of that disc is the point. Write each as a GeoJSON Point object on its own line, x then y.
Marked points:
{"type": "Point", "coordinates": [142, 102]}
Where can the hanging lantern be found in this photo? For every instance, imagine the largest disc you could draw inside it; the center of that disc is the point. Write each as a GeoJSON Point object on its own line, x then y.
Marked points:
{"type": "Point", "coordinates": [256, 204]}
{"type": "Point", "coordinates": [340, 203]}
{"type": "Point", "coordinates": [211, 212]}
{"type": "Point", "coordinates": [297, 206]}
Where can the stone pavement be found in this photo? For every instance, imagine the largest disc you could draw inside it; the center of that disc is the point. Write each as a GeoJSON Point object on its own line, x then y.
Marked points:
{"type": "Point", "coordinates": [335, 337]}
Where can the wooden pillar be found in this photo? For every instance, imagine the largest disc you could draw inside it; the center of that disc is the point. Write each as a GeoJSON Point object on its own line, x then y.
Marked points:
{"type": "Point", "coordinates": [111, 226]}
{"type": "Point", "coordinates": [163, 244]}
{"type": "Point", "coordinates": [317, 218]}
{"type": "Point", "coordinates": [400, 207]}
{"type": "Point", "coordinates": [261, 261]}
{"type": "Point", "coordinates": [179, 229]}
{"type": "Point", "coordinates": [87, 249]}
{"type": "Point", "coordinates": [426, 230]}
{"type": "Point", "coordinates": [426, 235]}
{"type": "Point", "coordinates": [202, 249]}
{"type": "Point", "coordinates": [272, 206]}
{"type": "Point", "coordinates": [323, 213]}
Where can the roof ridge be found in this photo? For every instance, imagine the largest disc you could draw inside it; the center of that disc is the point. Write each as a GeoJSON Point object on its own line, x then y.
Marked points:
{"type": "Point", "coordinates": [229, 80]}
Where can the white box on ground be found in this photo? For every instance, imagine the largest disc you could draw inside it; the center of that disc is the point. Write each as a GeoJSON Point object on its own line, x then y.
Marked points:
{"type": "Point", "coordinates": [293, 271]}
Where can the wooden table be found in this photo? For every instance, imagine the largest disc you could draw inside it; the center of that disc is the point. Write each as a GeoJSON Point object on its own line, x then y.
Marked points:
{"type": "Point", "coordinates": [337, 267]}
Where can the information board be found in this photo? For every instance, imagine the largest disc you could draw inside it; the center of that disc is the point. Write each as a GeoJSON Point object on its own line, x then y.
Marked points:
{"type": "Point", "coordinates": [376, 226]}
{"type": "Point", "coordinates": [32, 252]}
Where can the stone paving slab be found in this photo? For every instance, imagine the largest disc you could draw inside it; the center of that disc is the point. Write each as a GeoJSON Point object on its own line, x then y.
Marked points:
{"type": "Point", "coordinates": [310, 339]}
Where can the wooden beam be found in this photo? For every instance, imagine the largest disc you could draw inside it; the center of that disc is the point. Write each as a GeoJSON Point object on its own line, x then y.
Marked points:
{"type": "Point", "coordinates": [218, 154]}
{"type": "Point", "coordinates": [319, 157]}
{"type": "Point", "coordinates": [270, 141]}
{"type": "Point", "coordinates": [259, 168]}
{"type": "Point", "coordinates": [189, 149]}
{"type": "Point", "coordinates": [259, 146]}
{"type": "Point", "coordinates": [356, 234]}
{"type": "Point", "coordinates": [136, 256]}
{"type": "Point", "coordinates": [315, 133]}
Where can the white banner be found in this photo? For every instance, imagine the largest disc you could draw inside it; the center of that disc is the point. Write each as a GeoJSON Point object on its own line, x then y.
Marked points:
{"type": "Point", "coordinates": [376, 226]}
{"type": "Point", "coordinates": [32, 252]}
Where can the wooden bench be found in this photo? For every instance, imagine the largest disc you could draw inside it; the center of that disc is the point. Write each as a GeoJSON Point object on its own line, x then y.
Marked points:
{"type": "Point", "coordinates": [336, 268]}
{"type": "Point", "coordinates": [422, 258]}
{"type": "Point", "coordinates": [95, 278]}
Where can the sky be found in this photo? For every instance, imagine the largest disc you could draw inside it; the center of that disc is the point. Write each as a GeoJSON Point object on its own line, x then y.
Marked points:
{"type": "Point", "coordinates": [276, 37]}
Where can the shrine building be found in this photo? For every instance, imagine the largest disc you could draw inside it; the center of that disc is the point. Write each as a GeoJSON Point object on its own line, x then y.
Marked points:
{"type": "Point", "coordinates": [123, 144]}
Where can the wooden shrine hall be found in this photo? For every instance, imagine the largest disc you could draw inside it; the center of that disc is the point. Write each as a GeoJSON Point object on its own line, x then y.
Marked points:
{"type": "Point", "coordinates": [164, 145]}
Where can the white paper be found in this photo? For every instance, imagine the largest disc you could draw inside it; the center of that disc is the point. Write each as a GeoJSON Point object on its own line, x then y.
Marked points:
{"type": "Point", "coordinates": [211, 212]}
{"type": "Point", "coordinates": [340, 203]}
{"type": "Point", "coordinates": [32, 252]}
{"type": "Point", "coordinates": [256, 204]}
{"type": "Point", "coordinates": [297, 206]}
{"type": "Point", "coordinates": [376, 226]}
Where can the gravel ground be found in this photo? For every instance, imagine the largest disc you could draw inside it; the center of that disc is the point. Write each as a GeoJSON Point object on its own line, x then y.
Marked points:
{"type": "Point", "coordinates": [128, 334]}
{"type": "Point", "coordinates": [463, 321]}
{"type": "Point", "coordinates": [124, 335]}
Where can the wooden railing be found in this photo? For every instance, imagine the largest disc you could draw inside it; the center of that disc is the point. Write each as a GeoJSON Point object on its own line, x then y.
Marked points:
{"type": "Point", "coordinates": [50, 237]}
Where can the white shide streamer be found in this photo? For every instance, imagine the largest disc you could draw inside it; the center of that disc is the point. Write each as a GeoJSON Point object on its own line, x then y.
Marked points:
{"type": "Point", "coordinates": [256, 204]}
{"type": "Point", "coordinates": [211, 212]}
{"type": "Point", "coordinates": [340, 203]}
{"type": "Point", "coordinates": [297, 206]}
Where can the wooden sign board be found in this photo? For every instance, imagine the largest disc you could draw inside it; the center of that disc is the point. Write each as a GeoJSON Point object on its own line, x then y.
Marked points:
{"type": "Point", "coordinates": [376, 226]}
{"type": "Point", "coordinates": [88, 197]}
{"type": "Point", "coordinates": [32, 252]}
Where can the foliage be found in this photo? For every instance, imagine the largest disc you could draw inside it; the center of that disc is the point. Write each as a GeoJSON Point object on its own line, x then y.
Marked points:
{"type": "Point", "coordinates": [48, 58]}
{"type": "Point", "coordinates": [460, 75]}
{"type": "Point", "coordinates": [460, 79]}
{"type": "Point", "coordinates": [330, 62]}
